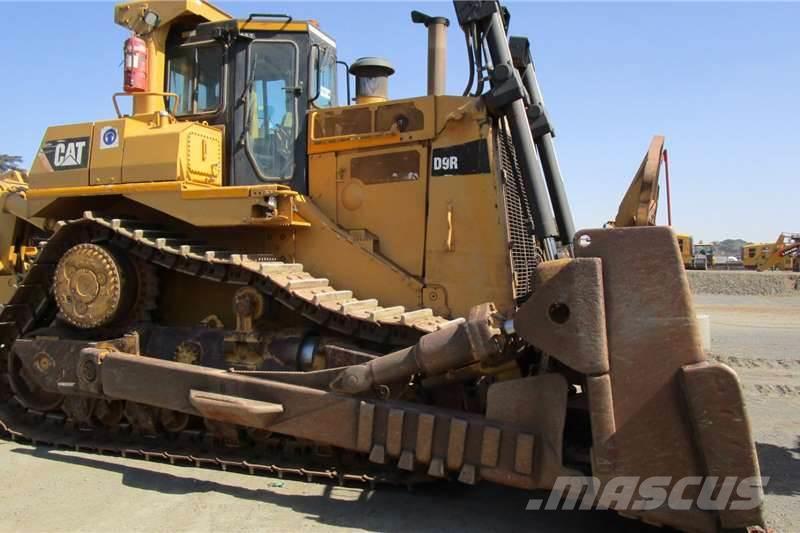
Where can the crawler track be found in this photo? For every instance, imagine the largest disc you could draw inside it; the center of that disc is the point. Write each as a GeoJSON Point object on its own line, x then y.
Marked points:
{"type": "Point", "coordinates": [32, 306]}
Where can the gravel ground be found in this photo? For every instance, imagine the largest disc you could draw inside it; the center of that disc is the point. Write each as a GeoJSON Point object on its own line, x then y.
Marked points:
{"type": "Point", "coordinates": [746, 282]}
{"type": "Point", "coordinates": [57, 490]}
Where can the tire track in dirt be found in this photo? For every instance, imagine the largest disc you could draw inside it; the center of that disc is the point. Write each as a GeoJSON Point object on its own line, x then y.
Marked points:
{"type": "Point", "coordinates": [758, 362]}
{"type": "Point", "coordinates": [775, 378]}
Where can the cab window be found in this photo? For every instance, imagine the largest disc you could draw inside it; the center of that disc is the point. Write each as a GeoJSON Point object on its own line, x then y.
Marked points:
{"type": "Point", "coordinates": [271, 122]}
{"type": "Point", "coordinates": [322, 76]}
{"type": "Point", "coordinates": [195, 75]}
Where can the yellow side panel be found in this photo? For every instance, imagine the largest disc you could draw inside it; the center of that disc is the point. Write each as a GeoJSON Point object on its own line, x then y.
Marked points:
{"type": "Point", "coordinates": [204, 155]}
{"type": "Point", "coordinates": [466, 245]}
{"type": "Point", "coordinates": [467, 252]}
{"type": "Point", "coordinates": [383, 192]}
{"type": "Point", "coordinates": [152, 153]}
{"type": "Point", "coordinates": [327, 251]}
{"type": "Point", "coordinates": [685, 246]}
{"type": "Point", "coordinates": [322, 182]}
{"type": "Point", "coordinates": [63, 158]}
{"type": "Point", "coordinates": [107, 150]}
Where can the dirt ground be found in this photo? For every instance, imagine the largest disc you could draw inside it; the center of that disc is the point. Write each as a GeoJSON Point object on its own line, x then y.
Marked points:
{"type": "Point", "coordinates": [759, 337]}
{"type": "Point", "coordinates": [56, 490]}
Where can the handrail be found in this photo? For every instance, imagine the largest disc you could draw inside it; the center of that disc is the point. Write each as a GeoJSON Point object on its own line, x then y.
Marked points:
{"type": "Point", "coordinates": [268, 16]}
{"type": "Point", "coordinates": [155, 93]}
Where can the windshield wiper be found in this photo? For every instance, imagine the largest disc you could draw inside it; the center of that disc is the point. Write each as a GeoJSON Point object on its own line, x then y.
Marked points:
{"type": "Point", "coordinates": [246, 99]}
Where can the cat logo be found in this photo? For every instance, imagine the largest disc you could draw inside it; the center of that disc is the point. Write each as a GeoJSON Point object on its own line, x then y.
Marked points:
{"type": "Point", "coordinates": [67, 154]}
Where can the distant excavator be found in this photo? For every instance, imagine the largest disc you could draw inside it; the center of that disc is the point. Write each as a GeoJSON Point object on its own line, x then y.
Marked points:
{"type": "Point", "coordinates": [783, 254]}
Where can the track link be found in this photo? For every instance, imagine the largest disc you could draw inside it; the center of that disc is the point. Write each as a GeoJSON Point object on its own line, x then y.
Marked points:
{"type": "Point", "coordinates": [188, 448]}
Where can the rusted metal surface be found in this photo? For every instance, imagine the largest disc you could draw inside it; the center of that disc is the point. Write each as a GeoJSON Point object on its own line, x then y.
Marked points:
{"type": "Point", "coordinates": [538, 453]}
{"type": "Point", "coordinates": [565, 317]}
{"type": "Point", "coordinates": [639, 206]}
{"type": "Point", "coordinates": [444, 439]}
{"type": "Point", "coordinates": [652, 335]}
{"type": "Point", "coordinates": [474, 340]}
{"type": "Point", "coordinates": [233, 410]}
{"type": "Point", "coordinates": [723, 432]}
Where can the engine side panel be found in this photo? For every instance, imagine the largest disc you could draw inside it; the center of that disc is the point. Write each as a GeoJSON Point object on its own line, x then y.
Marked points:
{"type": "Point", "coordinates": [466, 254]}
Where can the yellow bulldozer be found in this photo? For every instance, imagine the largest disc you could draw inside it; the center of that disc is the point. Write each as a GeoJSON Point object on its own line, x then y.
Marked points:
{"type": "Point", "coordinates": [783, 254]}
{"type": "Point", "coordinates": [242, 272]}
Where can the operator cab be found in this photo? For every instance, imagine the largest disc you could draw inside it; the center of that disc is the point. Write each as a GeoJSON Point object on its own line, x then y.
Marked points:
{"type": "Point", "coordinates": [255, 79]}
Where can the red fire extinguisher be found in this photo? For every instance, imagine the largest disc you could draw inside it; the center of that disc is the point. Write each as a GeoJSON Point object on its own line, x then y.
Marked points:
{"type": "Point", "coordinates": [135, 65]}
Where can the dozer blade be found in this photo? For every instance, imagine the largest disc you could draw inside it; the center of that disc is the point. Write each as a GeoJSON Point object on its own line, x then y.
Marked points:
{"type": "Point", "coordinates": [621, 313]}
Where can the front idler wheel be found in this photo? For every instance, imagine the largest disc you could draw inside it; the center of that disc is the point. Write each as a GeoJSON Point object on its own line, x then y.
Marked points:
{"type": "Point", "coordinates": [27, 392]}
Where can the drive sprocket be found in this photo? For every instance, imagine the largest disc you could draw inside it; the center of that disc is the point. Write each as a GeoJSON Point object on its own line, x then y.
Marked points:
{"type": "Point", "coordinates": [97, 286]}
{"type": "Point", "coordinates": [88, 286]}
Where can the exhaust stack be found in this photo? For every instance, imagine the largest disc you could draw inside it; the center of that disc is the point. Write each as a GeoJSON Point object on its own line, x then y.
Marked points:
{"type": "Point", "coordinates": [437, 50]}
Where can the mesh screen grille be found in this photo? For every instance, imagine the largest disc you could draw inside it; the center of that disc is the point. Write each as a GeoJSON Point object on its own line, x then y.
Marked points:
{"type": "Point", "coordinates": [519, 222]}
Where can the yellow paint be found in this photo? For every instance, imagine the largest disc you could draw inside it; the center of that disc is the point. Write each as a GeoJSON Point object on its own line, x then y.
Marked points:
{"type": "Point", "coordinates": [449, 232]}
{"type": "Point", "coordinates": [466, 256]}
{"type": "Point", "coordinates": [394, 211]}
{"type": "Point", "coordinates": [276, 26]}
{"type": "Point", "coordinates": [237, 192]}
{"type": "Point", "coordinates": [326, 250]}
{"type": "Point", "coordinates": [188, 191]}
{"type": "Point", "coordinates": [686, 246]}
{"type": "Point", "coordinates": [170, 151]}
{"type": "Point", "coordinates": [767, 255]}
{"type": "Point", "coordinates": [225, 206]}
{"type": "Point", "coordinates": [103, 190]}
{"type": "Point", "coordinates": [147, 151]}
{"type": "Point", "coordinates": [370, 100]}
{"type": "Point", "coordinates": [322, 182]}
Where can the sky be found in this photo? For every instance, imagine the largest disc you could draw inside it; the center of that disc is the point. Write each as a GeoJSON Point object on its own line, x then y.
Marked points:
{"type": "Point", "coordinates": [720, 80]}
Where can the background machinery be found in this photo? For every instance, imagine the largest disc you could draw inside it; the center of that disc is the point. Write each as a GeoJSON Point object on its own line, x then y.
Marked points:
{"type": "Point", "coordinates": [242, 272]}
{"type": "Point", "coordinates": [783, 254]}
{"type": "Point", "coordinates": [703, 256]}
{"type": "Point", "coordinates": [686, 245]}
